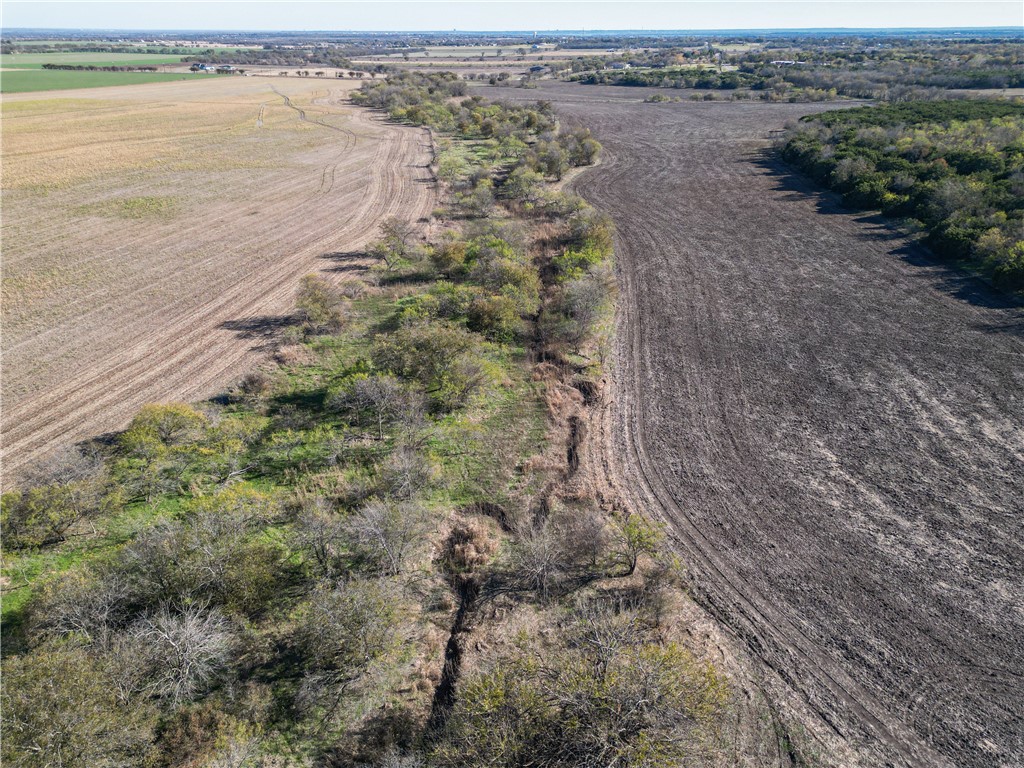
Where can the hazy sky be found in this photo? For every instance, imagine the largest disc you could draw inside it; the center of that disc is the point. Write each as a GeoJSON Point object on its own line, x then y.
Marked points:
{"type": "Point", "coordinates": [503, 15]}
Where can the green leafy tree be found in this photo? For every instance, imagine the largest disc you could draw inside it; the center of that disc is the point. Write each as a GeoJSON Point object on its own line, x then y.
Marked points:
{"type": "Point", "coordinates": [320, 305]}
{"type": "Point", "coordinates": [443, 358]}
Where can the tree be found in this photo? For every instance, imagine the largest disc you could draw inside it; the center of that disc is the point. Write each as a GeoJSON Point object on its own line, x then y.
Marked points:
{"type": "Point", "coordinates": [635, 537]}
{"type": "Point", "coordinates": [449, 256]}
{"type": "Point", "coordinates": [59, 709]}
{"type": "Point", "coordinates": [584, 302]}
{"type": "Point", "coordinates": [497, 317]}
{"type": "Point", "coordinates": [61, 491]}
{"type": "Point", "coordinates": [383, 398]}
{"type": "Point", "coordinates": [383, 533]}
{"type": "Point", "coordinates": [395, 243]}
{"type": "Point", "coordinates": [320, 305]}
{"type": "Point", "coordinates": [385, 251]}
{"type": "Point", "coordinates": [162, 425]}
{"type": "Point", "coordinates": [342, 631]}
{"type": "Point", "coordinates": [184, 651]}
{"type": "Point", "coordinates": [443, 358]}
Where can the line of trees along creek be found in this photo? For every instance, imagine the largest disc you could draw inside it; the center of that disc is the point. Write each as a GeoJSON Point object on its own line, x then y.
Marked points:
{"type": "Point", "coordinates": [953, 170]}
{"type": "Point", "coordinates": [378, 550]}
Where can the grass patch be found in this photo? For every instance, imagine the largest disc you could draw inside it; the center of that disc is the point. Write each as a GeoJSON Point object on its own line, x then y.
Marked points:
{"type": "Point", "coordinates": [147, 207]}
{"type": "Point", "coordinates": [28, 80]}
{"type": "Point", "coordinates": [84, 58]}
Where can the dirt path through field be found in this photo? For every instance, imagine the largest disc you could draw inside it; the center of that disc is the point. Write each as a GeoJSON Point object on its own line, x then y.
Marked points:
{"type": "Point", "coordinates": [831, 425]}
{"type": "Point", "coordinates": [105, 312]}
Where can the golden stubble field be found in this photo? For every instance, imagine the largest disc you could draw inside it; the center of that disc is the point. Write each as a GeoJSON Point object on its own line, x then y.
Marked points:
{"type": "Point", "coordinates": [145, 227]}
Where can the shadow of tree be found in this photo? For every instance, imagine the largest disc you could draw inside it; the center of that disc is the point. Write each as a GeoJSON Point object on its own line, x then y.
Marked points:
{"type": "Point", "coordinates": [942, 275]}
{"type": "Point", "coordinates": [265, 329]}
{"type": "Point", "coordinates": [346, 262]}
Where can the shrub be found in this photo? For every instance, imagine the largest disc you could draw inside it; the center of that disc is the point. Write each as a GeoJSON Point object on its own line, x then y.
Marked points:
{"type": "Point", "coordinates": [467, 548]}
{"type": "Point", "coordinates": [612, 696]}
{"type": "Point", "coordinates": [341, 632]}
{"type": "Point", "coordinates": [497, 317]}
{"type": "Point", "coordinates": [60, 709]}
{"type": "Point", "coordinates": [442, 358]}
{"type": "Point", "coordinates": [320, 305]}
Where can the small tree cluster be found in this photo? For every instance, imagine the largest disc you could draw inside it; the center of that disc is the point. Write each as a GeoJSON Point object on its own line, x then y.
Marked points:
{"type": "Point", "coordinates": [320, 305]}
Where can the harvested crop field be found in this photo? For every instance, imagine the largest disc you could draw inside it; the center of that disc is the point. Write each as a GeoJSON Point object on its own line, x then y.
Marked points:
{"type": "Point", "coordinates": [154, 236]}
{"type": "Point", "coordinates": [830, 424]}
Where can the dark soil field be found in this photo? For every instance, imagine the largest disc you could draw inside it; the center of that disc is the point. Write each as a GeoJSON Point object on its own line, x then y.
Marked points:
{"type": "Point", "coordinates": [830, 424]}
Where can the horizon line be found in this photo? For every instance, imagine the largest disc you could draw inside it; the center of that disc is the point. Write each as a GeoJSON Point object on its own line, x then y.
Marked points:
{"type": "Point", "coordinates": [9, 30]}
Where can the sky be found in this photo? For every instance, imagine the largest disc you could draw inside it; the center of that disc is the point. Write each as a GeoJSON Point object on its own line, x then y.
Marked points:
{"type": "Point", "coordinates": [529, 15]}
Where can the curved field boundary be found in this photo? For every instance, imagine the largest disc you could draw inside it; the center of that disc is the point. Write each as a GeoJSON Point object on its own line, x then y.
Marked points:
{"type": "Point", "coordinates": [164, 334]}
{"type": "Point", "coordinates": [829, 424]}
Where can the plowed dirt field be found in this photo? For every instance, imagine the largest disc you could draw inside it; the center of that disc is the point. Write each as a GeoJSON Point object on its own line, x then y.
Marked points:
{"type": "Point", "coordinates": [830, 424]}
{"type": "Point", "coordinates": [151, 232]}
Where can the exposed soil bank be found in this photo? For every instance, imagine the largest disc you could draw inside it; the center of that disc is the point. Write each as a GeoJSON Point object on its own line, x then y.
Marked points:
{"type": "Point", "coordinates": [831, 424]}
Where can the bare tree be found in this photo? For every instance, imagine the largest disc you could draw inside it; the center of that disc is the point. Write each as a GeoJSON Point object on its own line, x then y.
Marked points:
{"type": "Point", "coordinates": [406, 472]}
{"type": "Point", "coordinates": [67, 465]}
{"type": "Point", "coordinates": [385, 398]}
{"type": "Point", "coordinates": [79, 603]}
{"type": "Point", "coordinates": [537, 560]}
{"type": "Point", "coordinates": [185, 650]}
{"type": "Point", "coordinates": [322, 534]}
{"type": "Point", "coordinates": [385, 533]}
{"type": "Point", "coordinates": [342, 632]}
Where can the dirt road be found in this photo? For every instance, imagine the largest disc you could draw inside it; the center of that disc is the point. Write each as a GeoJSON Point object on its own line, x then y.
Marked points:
{"type": "Point", "coordinates": [151, 232]}
{"type": "Point", "coordinates": [831, 425]}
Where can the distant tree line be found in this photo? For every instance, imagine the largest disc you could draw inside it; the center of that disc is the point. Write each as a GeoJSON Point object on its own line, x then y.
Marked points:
{"type": "Point", "coordinates": [910, 69]}
{"type": "Point", "coordinates": [94, 68]}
